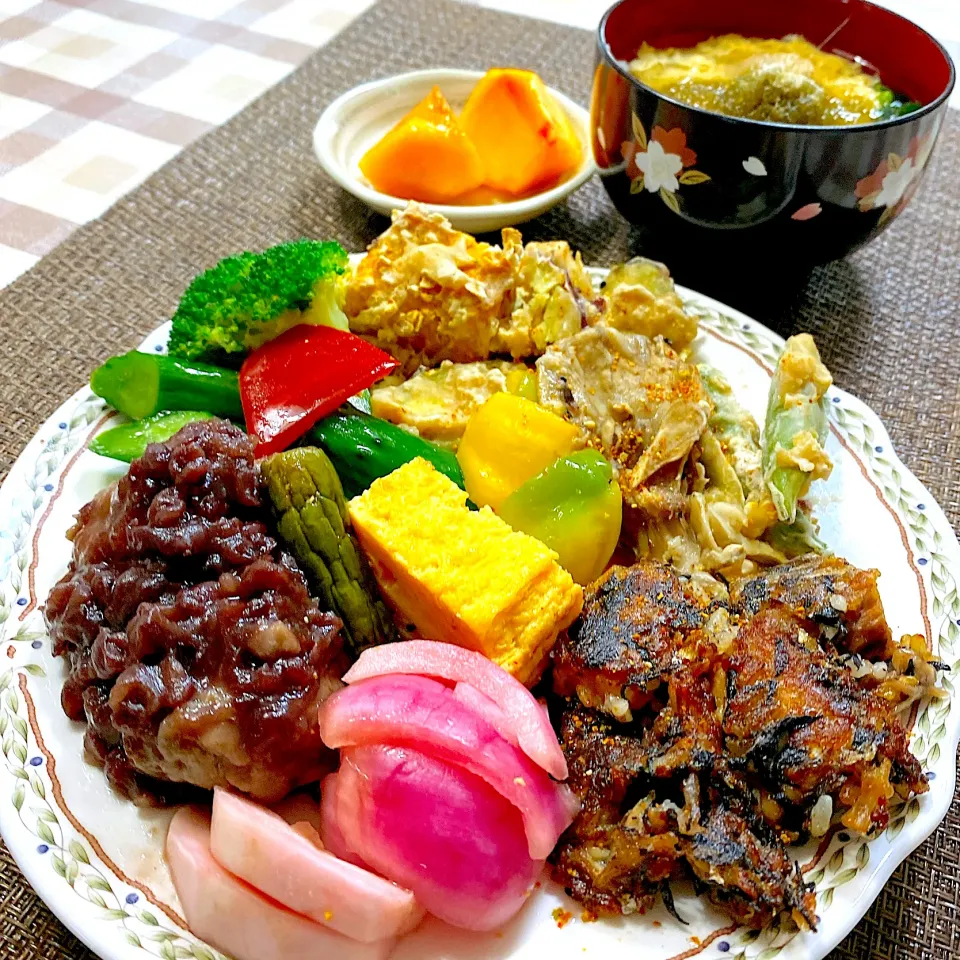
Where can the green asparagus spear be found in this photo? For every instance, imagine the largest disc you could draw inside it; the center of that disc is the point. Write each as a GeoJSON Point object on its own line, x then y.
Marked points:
{"type": "Point", "coordinates": [796, 425]}
{"type": "Point", "coordinates": [130, 440]}
{"type": "Point", "coordinates": [142, 384]}
{"type": "Point", "coordinates": [312, 520]}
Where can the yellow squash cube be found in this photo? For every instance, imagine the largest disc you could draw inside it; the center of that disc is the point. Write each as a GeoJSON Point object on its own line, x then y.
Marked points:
{"type": "Point", "coordinates": [507, 441]}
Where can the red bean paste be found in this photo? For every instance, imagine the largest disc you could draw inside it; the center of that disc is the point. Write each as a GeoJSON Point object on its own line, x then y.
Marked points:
{"type": "Point", "coordinates": [195, 654]}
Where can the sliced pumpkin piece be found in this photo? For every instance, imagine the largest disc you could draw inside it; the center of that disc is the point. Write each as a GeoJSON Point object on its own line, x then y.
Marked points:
{"type": "Point", "coordinates": [524, 137]}
{"type": "Point", "coordinates": [426, 156]}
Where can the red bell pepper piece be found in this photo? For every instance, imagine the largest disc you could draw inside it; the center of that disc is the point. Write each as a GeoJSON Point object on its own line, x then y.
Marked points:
{"type": "Point", "coordinates": [289, 383]}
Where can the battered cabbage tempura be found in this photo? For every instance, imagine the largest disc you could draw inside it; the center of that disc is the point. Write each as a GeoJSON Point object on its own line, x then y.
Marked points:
{"type": "Point", "coordinates": [686, 455]}
{"type": "Point", "coordinates": [702, 488]}
{"type": "Point", "coordinates": [425, 292]}
{"type": "Point", "coordinates": [438, 402]}
{"type": "Point", "coordinates": [639, 404]}
{"type": "Point", "coordinates": [641, 298]}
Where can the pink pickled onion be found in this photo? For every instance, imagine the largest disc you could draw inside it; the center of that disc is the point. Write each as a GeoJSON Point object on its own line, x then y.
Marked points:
{"type": "Point", "coordinates": [437, 830]}
{"type": "Point", "coordinates": [423, 714]}
{"type": "Point", "coordinates": [491, 711]}
{"type": "Point", "coordinates": [429, 658]}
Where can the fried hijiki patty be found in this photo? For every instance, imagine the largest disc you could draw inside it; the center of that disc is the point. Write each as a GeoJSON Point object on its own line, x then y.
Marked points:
{"type": "Point", "coordinates": [708, 728]}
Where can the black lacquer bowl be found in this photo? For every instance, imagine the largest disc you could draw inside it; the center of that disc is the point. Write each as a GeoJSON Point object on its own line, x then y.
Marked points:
{"type": "Point", "coordinates": [747, 193]}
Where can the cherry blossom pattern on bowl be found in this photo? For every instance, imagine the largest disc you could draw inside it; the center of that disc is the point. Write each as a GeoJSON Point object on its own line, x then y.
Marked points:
{"type": "Point", "coordinates": [661, 164]}
{"type": "Point", "coordinates": [896, 179]}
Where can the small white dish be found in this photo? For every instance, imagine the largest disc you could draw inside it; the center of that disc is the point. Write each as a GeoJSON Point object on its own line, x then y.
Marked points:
{"type": "Point", "coordinates": [355, 121]}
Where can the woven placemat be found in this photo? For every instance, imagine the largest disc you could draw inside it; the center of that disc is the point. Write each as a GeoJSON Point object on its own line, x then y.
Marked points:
{"type": "Point", "coordinates": [885, 319]}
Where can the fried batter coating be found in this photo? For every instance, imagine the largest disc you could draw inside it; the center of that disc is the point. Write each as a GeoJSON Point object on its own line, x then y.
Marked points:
{"type": "Point", "coordinates": [744, 864]}
{"type": "Point", "coordinates": [638, 624]}
{"type": "Point", "coordinates": [641, 298]}
{"type": "Point", "coordinates": [635, 401]}
{"type": "Point", "coordinates": [802, 726]}
{"type": "Point", "coordinates": [632, 837]}
{"type": "Point", "coordinates": [604, 863]}
{"type": "Point", "coordinates": [425, 292]}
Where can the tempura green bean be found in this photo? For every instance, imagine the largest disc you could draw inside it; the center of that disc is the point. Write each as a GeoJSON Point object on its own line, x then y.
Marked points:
{"type": "Point", "coordinates": [796, 426]}
{"type": "Point", "coordinates": [739, 438]}
{"type": "Point", "coordinates": [797, 538]}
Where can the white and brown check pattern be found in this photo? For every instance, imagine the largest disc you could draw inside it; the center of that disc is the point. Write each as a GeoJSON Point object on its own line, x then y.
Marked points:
{"type": "Point", "coordinates": [95, 95]}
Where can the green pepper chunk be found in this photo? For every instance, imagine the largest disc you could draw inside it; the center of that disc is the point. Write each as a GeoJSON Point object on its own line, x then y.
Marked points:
{"type": "Point", "coordinates": [574, 506]}
{"type": "Point", "coordinates": [142, 384]}
{"type": "Point", "coordinates": [130, 440]}
{"type": "Point", "coordinates": [312, 521]}
{"type": "Point", "coordinates": [364, 448]}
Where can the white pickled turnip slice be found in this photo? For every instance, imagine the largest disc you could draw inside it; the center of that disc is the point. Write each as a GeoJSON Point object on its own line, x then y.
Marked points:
{"type": "Point", "coordinates": [256, 845]}
{"type": "Point", "coordinates": [299, 808]}
{"type": "Point", "coordinates": [439, 830]}
{"type": "Point", "coordinates": [430, 658]}
{"type": "Point", "coordinates": [347, 807]}
{"type": "Point", "coordinates": [417, 712]}
{"type": "Point", "coordinates": [330, 833]}
{"type": "Point", "coordinates": [233, 917]}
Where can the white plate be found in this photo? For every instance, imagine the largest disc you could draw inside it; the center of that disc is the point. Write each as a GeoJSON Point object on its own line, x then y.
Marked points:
{"type": "Point", "coordinates": [97, 860]}
{"type": "Point", "coordinates": [355, 121]}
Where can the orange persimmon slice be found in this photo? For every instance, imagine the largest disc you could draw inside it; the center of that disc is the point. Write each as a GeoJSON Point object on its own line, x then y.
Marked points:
{"type": "Point", "coordinates": [525, 138]}
{"type": "Point", "coordinates": [426, 156]}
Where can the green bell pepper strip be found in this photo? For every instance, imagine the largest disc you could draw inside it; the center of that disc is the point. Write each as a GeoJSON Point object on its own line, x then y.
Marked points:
{"type": "Point", "coordinates": [362, 447]}
{"type": "Point", "coordinates": [130, 440]}
{"type": "Point", "coordinates": [142, 384]}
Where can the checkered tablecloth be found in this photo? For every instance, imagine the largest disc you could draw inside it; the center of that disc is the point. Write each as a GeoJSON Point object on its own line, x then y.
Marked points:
{"type": "Point", "coordinates": [95, 95]}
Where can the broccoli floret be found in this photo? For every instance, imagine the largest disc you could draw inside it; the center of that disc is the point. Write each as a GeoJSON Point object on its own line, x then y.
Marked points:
{"type": "Point", "coordinates": [246, 300]}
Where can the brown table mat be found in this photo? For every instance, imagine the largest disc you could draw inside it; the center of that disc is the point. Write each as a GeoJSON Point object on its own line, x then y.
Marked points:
{"type": "Point", "coordinates": [886, 321]}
